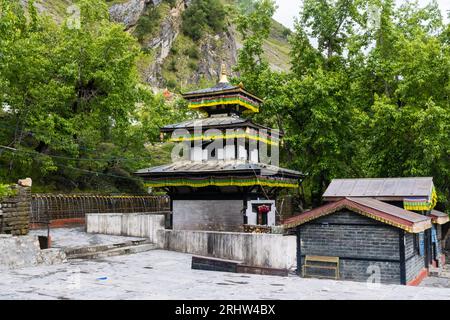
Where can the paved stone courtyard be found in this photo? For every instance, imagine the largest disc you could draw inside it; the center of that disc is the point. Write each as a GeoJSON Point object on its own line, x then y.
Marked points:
{"type": "Point", "coordinates": [159, 274]}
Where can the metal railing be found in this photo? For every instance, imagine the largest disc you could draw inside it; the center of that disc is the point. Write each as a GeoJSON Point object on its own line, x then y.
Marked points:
{"type": "Point", "coordinates": [48, 207]}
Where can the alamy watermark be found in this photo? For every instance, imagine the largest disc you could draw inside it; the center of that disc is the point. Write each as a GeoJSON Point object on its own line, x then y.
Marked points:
{"type": "Point", "coordinates": [374, 279]}
{"type": "Point", "coordinates": [373, 17]}
{"type": "Point", "coordinates": [74, 18]}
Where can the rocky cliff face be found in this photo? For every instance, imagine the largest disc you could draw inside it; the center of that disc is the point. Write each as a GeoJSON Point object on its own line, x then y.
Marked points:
{"type": "Point", "coordinates": [216, 49]}
{"type": "Point", "coordinates": [164, 41]}
{"type": "Point", "coordinates": [129, 12]}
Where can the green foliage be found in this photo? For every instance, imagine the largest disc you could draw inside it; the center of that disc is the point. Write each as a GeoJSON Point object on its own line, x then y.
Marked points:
{"type": "Point", "coordinates": [74, 109]}
{"type": "Point", "coordinates": [6, 191]}
{"type": "Point", "coordinates": [193, 66]}
{"type": "Point", "coordinates": [363, 100]}
{"type": "Point", "coordinates": [148, 23]}
{"type": "Point", "coordinates": [202, 14]}
{"type": "Point", "coordinates": [255, 29]}
{"type": "Point", "coordinates": [171, 3]}
{"type": "Point", "coordinates": [193, 52]}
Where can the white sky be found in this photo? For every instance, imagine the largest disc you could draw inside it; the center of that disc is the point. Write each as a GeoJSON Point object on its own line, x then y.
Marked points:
{"type": "Point", "coordinates": [289, 9]}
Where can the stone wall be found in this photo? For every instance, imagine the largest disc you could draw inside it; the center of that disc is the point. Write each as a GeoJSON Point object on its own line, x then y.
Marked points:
{"type": "Point", "coordinates": [15, 212]}
{"type": "Point", "coordinates": [414, 261]}
{"type": "Point", "coordinates": [207, 215]}
{"type": "Point", "coordinates": [145, 225]}
{"type": "Point", "coordinates": [261, 250]}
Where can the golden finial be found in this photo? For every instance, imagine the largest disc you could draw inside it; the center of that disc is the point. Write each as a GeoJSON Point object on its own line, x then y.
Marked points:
{"type": "Point", "coordinates": [241, 85]}
{"type": "Point", "coordinates": [223, 74]}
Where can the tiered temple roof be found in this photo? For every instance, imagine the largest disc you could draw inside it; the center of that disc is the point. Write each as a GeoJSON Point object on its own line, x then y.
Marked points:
{"type": "Point", "coordinates": [238, 164]}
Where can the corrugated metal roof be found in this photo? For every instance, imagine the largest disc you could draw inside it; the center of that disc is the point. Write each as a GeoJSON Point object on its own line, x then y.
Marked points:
{"type": "Point", "coordinates": [382, 187]}
{"type": "Point", "coordinates": [218, 87]}
{"type": "Point", "coordinates": [439, 217]}
{"type": "Point", "coordinates": [206, 122]}
{"type": "Point", "coordinates": [437, 213]}
{"type": "Point", "coordinates": [215, 166]}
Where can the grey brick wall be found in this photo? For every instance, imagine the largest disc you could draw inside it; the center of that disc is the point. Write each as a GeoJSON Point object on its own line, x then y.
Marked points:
{"type": "Point", "coordinates": [414, 262]}
{"type": "Point", "coordinates": [207, 215]}
{"type": "Point", "coordinates": [368, 239]}
{"type": "Point", "coordinates": [358, 241]}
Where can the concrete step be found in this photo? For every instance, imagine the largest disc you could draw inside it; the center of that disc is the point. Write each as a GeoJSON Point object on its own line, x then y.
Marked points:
{"type": "Point", "coordinates": [103, 251]}
{"type": "Point", "coordinates": [104, 247]}
{"type": "Point", "coordinates": [434, 272]}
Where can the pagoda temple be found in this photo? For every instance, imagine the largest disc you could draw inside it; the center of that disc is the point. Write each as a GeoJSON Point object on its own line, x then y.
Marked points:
{"type": "Point", "coordinates": [225, 173]}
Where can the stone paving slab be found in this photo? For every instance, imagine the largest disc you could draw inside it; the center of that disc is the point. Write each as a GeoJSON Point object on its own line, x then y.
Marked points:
{"type": "Point", "coordinates": [162, 274]}
{"type": "Point", "coordinates": [77, 237]}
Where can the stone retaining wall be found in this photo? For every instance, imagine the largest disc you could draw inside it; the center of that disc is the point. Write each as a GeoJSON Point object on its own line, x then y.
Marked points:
{"type": "Point", "coordinates": [15, 212]}
{"type": "Point", "coordinates": [24, 251]}
{"type": "Point", "coordinates": [145, 225]}
{"type": "Point", "coordinates": [260, 250]}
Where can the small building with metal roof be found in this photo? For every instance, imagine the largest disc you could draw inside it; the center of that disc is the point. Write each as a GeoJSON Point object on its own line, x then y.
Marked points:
{"type": "Point", "coordinates": [374, 230]}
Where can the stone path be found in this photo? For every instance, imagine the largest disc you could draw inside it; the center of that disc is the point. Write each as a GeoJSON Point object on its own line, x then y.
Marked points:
{"type": "Point", "coordinates": [161, 274]}
{"type": "Point", "coordinates": [443, 281]}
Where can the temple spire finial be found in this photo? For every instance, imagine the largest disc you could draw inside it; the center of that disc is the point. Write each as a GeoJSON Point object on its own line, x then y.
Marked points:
{"type": "Point", "coordinates": [223, 74]}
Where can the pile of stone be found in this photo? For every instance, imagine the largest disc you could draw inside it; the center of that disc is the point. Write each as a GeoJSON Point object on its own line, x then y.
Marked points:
{"type": "Point", "coordinates": [15, 209]}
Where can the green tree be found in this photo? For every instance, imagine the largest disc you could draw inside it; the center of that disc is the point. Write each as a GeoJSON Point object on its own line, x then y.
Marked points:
{"type": "Point", "coordinates": [365, 97]}
{"type": "Point", "coordinates": [201, 15]}
{"type": "Point", "coordinates": [407, 126]}
{"type": "Point", "coordinates": [71, 99]}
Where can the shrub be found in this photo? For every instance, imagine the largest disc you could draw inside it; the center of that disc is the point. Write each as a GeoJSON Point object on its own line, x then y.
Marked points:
{"type": "Point", "coordinates": [192, 52]}
{"type": "Point", "coordinates": [171, 84]}
{"type": "Point", "coordinates": [192, 65]}
{"type": "Point", "coordinates": [148, 23]}
{"type": "Point", "coordinates": [202, 14]}
{"type": "Point", "coordinates": [171, 3]}
{"type": "Point", "coordinates": [173, 66]}
{"type": "Point", "coordinates": [6, 191]}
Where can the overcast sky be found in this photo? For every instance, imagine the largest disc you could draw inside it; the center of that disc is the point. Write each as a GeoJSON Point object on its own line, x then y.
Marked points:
{"type": "Point", "coordinates": [288, 10]}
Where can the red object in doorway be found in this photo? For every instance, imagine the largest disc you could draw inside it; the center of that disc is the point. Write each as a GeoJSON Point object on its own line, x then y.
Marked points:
{"type": "Point", "coordinates": [263, 209]}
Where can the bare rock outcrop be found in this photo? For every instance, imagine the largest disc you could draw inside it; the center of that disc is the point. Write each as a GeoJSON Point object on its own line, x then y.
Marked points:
{"type": "Point", "coordinates": [215, 50]}
{"type": "Point", "coordinates": [129, 12]}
